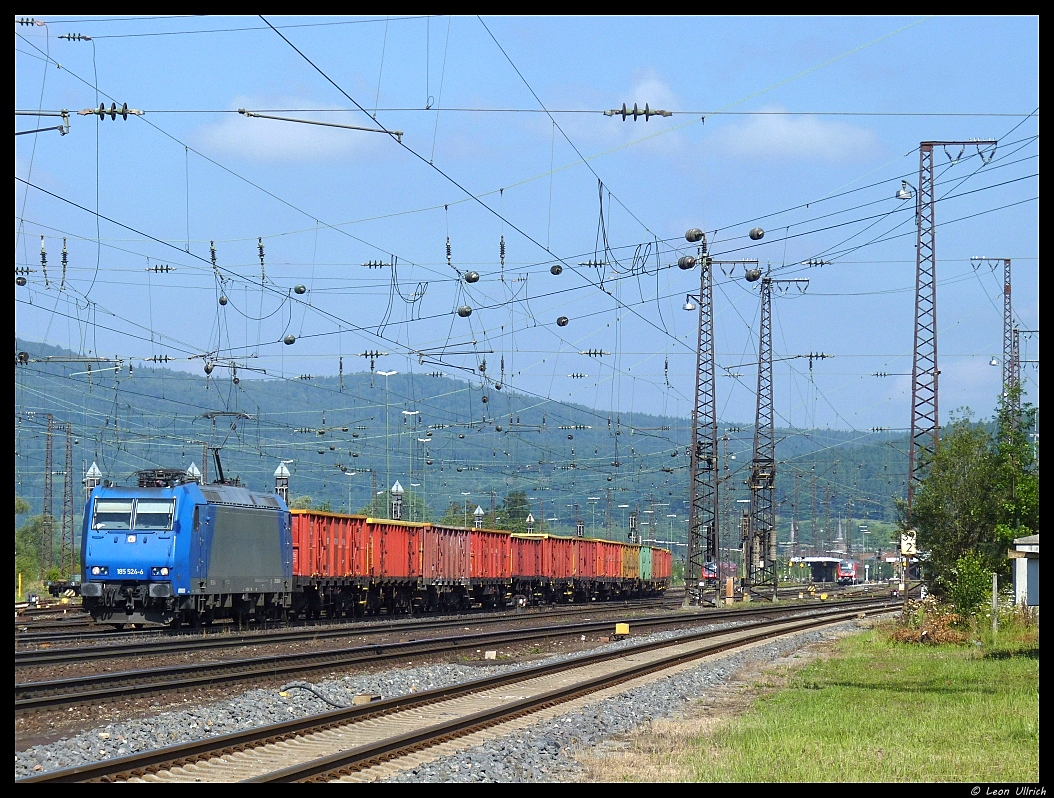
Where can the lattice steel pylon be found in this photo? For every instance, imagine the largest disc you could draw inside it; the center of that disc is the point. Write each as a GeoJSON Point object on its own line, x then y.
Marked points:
{"type": "Point", "coordinates": [925, 423]}
{"type": "Point", "coordinates": [761, 566]}
{"type": "Point", "coordinates": [47, 519]}
{"type": "Point", "coordinates": [1009, 376]}
{"type": "Point", "coordinates": [702, 451]}
{"type": "Point", "coordinates": [761, 570]}
{"type": "Point", "coordinates": [66, 550]}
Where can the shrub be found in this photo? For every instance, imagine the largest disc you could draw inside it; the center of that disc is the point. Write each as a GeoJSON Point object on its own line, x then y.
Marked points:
{"type": "Point", "coordinates": [971, 584]}
{"type": "Point", "coordinates": [928, 621]}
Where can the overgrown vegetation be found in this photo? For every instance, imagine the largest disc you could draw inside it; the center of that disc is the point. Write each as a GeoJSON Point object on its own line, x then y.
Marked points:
{"type": "Point", "coordinates": [930, 622]}
{"type": "Point", "coordinates": [882, 712]}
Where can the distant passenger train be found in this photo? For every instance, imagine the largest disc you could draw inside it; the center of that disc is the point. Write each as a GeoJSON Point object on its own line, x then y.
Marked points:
{"type": "Point", "coordinates": [846, 572]}
{"type": "Point", "coordinates": [171, 551]}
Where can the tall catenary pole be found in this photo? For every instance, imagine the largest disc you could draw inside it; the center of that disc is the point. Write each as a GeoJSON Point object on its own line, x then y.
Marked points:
{"type": "Point", "coordinates": [67, 550]}
{"type": "Point", "coordinates": [763, 466]}
{"type": "Point", "coordinates": [925, 424]}
{"type": "Point", "coordinates": [762, 480]}
{"type": "Point", "coordinates": [47, 520]}
{"type": "Point", "coordinates": [702, 491]}
{"type": "Point", "coordinates": [1008, 335]}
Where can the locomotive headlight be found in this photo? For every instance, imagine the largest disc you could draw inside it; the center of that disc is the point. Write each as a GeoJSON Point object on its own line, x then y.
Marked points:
{"type": "Point", "coordinates": [159, 570]}
{"type": "Point", "coordinates": [164, 572]}
{"type": "Point", "coordinates": [100, 570]}
{"type": "Point", "coordinates": [95, 570]}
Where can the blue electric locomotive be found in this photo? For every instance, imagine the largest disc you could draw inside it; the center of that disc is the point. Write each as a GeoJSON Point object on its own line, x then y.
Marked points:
{"type": "Point", "coordinates": [172, 551]}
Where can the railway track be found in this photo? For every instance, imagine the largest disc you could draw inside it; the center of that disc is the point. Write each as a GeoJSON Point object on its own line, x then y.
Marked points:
{"type": "Point", "coordinates": [341, 743]}
{"type": "Point", "coordinates": [183, 643]}
{"type": "Point", "coordinates": [227, 631]}
{"type": "Point", "coordinates": [34, 696]}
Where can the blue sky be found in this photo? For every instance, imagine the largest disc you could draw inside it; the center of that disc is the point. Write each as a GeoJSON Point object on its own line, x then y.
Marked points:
{"type": "Point", "coordinates": [810, 126]}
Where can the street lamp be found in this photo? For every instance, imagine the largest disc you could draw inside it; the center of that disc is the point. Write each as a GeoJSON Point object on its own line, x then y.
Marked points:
{"type": "Point", "coordinates": [349, 474]}
{"type": "Point", "coordinates": [593, 502]}
{"type": "Point", "coordinates": [466, 493]}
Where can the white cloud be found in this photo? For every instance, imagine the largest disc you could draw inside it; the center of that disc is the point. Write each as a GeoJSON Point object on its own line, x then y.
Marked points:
{"type": "Point", "coordinates": [804, 137]}
{"type": "Point", "coordinates": [270, 140]}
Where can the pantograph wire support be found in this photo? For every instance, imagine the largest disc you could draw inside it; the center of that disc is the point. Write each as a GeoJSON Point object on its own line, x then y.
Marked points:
{"type": "Point", "coordinates": [759, 553]}
{"type": "Point", "coordinates": [925, 424]}
{"type": "Point", "coordinates": [66, 534]}
{"type": "Point", "coordinates": [760, 556]}
{"type": "Point", "coordinates": [47, 519]}
{"type": "Point", "coordinates": [702, 492]}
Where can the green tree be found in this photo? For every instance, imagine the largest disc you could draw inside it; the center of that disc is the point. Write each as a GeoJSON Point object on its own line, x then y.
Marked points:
{"type": "Point", "coordinates": [21, 506]}
{"type": "Point", "coordinates": [512, 515]}
{"type": "Point", "coordinates": [455, 515]}
{"type": "Point", "coordinates": [980, 492]}
{"type": "Point", "coordinates": [302, 503]}
{"type": "Point", "coordinates": [27, 548]}
{"type": "Point", "coordinates": [971, 584]}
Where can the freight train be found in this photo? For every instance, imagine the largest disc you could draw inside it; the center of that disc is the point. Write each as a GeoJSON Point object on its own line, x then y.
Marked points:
{"type": "Point", "coordinates": [171, 551]}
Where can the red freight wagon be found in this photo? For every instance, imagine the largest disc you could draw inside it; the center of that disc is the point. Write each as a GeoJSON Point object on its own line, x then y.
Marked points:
{"type": "Point", "coordinates": [445, 554]}
{"type": "Point", "coordinates": [329, 544]}
{"type": "Point", "coordinates": [562, 559]}
{"type": "Point", "coordinates": [609, 559]}
{"type": "Point", "coordinates": [395, 548]}
{"type": "Point", "coordinates": [529, 555]}
{"type": "Point", "coordinates": [586, 558]}
{"type": "Point", "coordinates": [661, 564]}
{"type": "Point", "coordinates": [491, 554]}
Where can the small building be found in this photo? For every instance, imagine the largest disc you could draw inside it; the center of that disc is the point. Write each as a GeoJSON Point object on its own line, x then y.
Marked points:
{"type": "Point", "coordinates": [823, 569]}
{"type": "Point", "coordinates": [1025, 556]}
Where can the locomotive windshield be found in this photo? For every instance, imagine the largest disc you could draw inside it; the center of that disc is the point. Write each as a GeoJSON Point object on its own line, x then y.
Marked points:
{"type": "Point", "coordinates": [153, 514]}
{"type": "Point", "coordinates": [113, 514]}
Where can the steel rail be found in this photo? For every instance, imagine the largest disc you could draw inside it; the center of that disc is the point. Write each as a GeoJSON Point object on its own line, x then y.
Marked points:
{"type": "Point", "coordinates": [154, 632]}
{"type": "Point", "coordinates": [167, 643]}
{"type": "Point", "coordinates": [133, 765]}
{"type": "Point", "coordinates": [346, 762]}
{"type": "Point", "coordinates": [37, 695]}
{"type": "Point", "coordinates": [40, 695]}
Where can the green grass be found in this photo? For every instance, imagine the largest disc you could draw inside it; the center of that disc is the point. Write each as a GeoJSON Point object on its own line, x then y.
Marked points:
{"type": "Point", "coordinates": [884, 712]}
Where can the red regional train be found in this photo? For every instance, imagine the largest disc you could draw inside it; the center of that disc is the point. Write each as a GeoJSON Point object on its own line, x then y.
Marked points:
{"type": "Point", "coordinates": [354, 565]}
{"type": "Point", "coordinates": [846, 572]}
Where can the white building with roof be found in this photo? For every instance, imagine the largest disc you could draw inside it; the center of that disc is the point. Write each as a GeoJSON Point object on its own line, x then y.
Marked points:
{"type": "Point", "coordinates": [1025, 557]}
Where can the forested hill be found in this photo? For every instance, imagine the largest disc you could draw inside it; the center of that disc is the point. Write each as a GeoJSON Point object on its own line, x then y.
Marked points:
{"type": "Point", "coordinates": [348, 438]}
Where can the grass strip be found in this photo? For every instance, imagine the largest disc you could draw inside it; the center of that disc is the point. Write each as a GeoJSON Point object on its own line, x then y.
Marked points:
{"type": "Point", "coordinates": [879, 711]}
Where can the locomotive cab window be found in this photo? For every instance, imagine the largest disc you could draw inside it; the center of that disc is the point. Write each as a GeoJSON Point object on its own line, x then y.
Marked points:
{"type": "Point", "coordinates": [154, 515]}
{"type": "Point", "coordinates": [113, 514]}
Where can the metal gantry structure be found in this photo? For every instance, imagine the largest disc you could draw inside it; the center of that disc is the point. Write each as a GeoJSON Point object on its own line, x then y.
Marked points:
{"type": "Point", "coordinates": [704, 535]}
{"type": "Point", "coordinates": [702, 485]}
{"type": "Point", "coordinates": [1010, 356]}
{"type": "Point", "coordinates": [66, 534]}
{"type": "Point", "coordinates": [759, 555]}
{"type": "Point", "coordinates": [925, 425]}
{"type": "Point", "coordinates": [47, 519]}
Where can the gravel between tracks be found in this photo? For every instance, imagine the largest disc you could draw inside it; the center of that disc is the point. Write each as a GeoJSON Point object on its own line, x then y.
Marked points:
{"type": "Point", "coordinates": [544, 754]}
